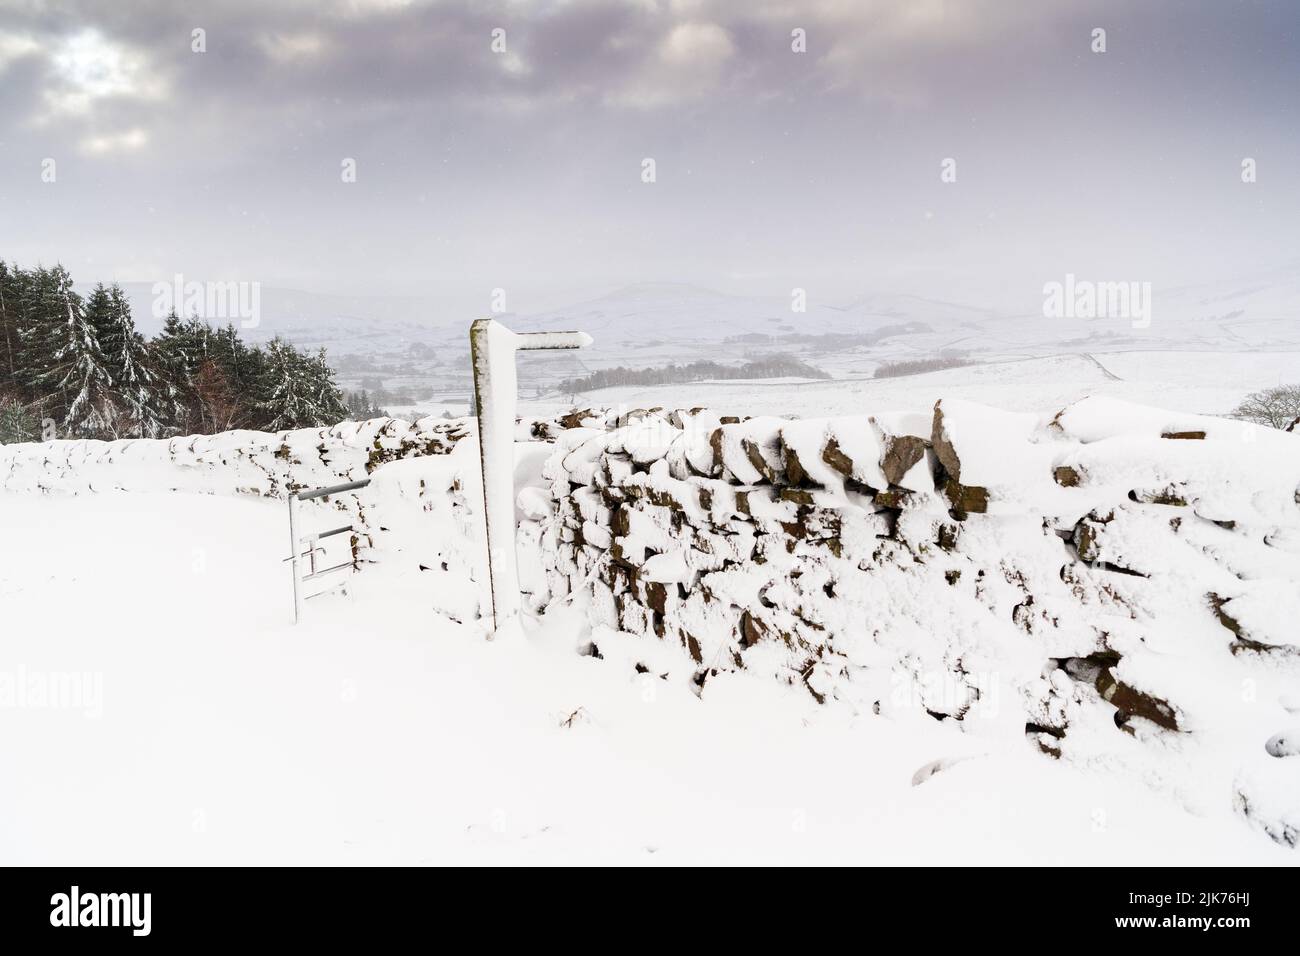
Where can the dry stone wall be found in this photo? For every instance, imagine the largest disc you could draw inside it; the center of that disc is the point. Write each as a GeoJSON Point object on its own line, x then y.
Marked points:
{"type": "Point", "coordinates": [238, 462]}
{"type": "Point", "coordinates": [261, 464]}
{"type": "Point", "coordinates": [1104, 579]}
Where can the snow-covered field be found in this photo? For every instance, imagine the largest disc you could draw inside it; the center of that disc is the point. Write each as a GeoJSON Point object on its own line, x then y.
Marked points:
{"type": "Point", "coordinates": [1211, 383]}
{"type": "Point", "coordinates": [209, 730]}
{"type": "Point", "coordinates": [1205, 382]}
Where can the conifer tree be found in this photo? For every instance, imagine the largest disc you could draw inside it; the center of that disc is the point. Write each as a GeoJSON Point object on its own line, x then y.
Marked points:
{"type": "Point", "coordinates": [328, 407]}
{"type": "Point", "coordinates": [10, 301]}
{"type": "Point", "coordinates": [171, 350]}
{"type": "Point", "coordinates": [17, 423]}
{"type": "Point", "coordinates": [127, 358]}
{"type": "Point", "coordinates": [40, 295]}
{"type": "Point", "coordinates": [289, 397]}
{"type": "Point", "coordinates": [77, 374]}
{"type": "Point", "coordinates": [82, 363]}
{"type": "Point", "coordinates": [362, 406]}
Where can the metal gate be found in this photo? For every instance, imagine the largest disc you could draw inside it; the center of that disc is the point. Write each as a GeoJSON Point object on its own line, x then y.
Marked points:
{"type": "Point", "coordinates": [312, 543]}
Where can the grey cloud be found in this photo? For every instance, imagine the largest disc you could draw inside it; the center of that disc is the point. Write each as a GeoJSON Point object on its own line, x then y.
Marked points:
{"type": "Point", "coordinates": [817, 169]}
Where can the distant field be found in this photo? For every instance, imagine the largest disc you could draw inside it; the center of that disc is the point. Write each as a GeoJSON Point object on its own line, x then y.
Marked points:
{"type": "Point", "coordinates": [1204, 382]}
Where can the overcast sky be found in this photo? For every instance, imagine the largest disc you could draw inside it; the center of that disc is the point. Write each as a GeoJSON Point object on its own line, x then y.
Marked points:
{"type": "Point", "coordinates": [522, 169]}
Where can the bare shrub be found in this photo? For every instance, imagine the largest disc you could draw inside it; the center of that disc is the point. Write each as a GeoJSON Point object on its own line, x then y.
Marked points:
{"type": "Point", "coordinates": [1277, 407]}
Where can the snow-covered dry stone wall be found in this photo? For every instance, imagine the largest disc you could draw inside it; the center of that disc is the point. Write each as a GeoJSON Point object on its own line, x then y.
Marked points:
{"type": "Point", "coordinates": [1118, 584]}
{"type": "Point", "coordinates": [237, 462]}
{"type": "Point", "coordinates": [261, 464]}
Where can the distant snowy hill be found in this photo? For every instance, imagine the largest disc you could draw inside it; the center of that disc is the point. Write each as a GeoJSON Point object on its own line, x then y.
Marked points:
{"type": "Point", "coordinates": [653, 313]}
{"type": "Point", "coordinates": [1262, 312]}
{"type": "Point", "coordinates": [413, 351]}
{"type": "Point", "coordinates": [1240, 314]}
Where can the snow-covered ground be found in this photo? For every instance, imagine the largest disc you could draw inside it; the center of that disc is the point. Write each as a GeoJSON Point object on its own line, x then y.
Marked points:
{"type": "Point", "coordinates": [1211, 383]}
{"type": "Point", "coordinates": [209, 730]}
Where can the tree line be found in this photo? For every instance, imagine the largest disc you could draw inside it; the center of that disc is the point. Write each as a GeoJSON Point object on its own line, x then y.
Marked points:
{"type": "Point", "coordinates": [937, 363]}
{"type": "Point", "coordinates": [74, 366]}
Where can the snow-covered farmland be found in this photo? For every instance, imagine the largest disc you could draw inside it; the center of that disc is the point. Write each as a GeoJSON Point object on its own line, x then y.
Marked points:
{"type": "Point", "coordinates": [380, 731]}
{"type": "Point", "coordinates": [1211, 383]}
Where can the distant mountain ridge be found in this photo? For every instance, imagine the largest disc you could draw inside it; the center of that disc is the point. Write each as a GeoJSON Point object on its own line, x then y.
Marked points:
{"type": "Point", "coordinates": [673, 322]}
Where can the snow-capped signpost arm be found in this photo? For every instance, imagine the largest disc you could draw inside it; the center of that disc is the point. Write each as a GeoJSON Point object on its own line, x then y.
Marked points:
{"type": "Point", "coordinates": [492, 350]}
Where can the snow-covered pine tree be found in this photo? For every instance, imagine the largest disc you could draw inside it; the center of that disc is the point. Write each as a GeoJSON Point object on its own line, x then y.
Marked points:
{"type": "Point", "coordinates": [135, 385]}
{"type": "Point", "coordinates": [77, 377]}
{"type": "Point", "coordinates": [241, 365]}
{"type": "Point", "coordinates": [171, 349]}
{"type": "Point", "coordinates": [329, 406]}
{"type": "Point", "coordinates": [209, 378]}
{"type": "Point", "coordinates": [362, 407]}
{"type": "Point", "coordinates": [288, 387]}
{"type": "Point", "coordinates": [168, 344]}
{"type": "Point", "coordinates": [17, 423]}
{"type": "Point", "coordinates": [10, 298]}
{"type": "Point", "coordinates": [38, 294]}
{"type": "Point", "coordinates": [300, 390]}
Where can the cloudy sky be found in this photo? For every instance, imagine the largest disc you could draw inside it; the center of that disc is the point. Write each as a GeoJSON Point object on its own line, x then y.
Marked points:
{"type": "Point", "coordinates": [521, 167]}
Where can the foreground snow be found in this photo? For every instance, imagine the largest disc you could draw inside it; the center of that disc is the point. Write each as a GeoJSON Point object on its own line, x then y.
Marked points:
{"type": "Point", "coordinates": [381, 732]}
